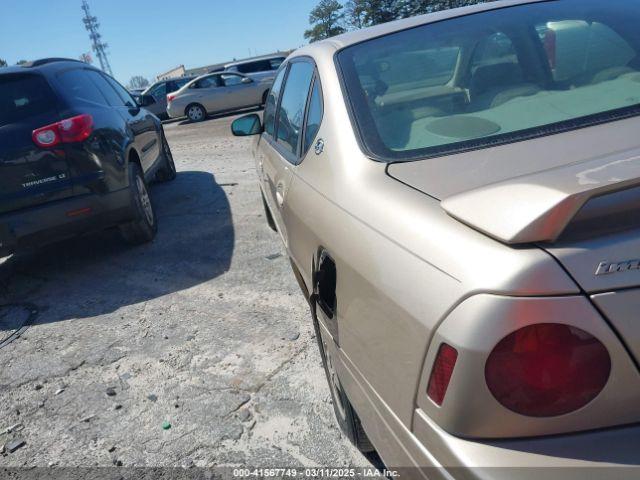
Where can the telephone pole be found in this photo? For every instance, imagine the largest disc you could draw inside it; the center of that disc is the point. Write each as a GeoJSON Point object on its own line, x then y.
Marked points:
{"type": "Point", "coordinates": [98, 46]}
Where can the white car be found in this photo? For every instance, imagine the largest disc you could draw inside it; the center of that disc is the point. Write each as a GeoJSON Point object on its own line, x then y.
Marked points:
{"type": "Point", "coordinates": [215, 93]}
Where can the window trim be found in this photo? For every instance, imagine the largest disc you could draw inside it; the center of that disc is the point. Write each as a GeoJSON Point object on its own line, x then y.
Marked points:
{"type": "Point", "coordinates": [576, 124]}
{"type": "Point", "coordinates": [294, 158]}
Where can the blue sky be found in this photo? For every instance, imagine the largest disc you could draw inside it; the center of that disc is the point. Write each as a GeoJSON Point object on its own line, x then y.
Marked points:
{"type": "Point", "coordinates": [147, 37]}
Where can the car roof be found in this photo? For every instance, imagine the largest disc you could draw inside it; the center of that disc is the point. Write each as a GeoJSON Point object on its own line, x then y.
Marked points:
{"type": "Point", "coordinates": [44, 65]}
{"type": "Point", "coordinates": [351, 38]}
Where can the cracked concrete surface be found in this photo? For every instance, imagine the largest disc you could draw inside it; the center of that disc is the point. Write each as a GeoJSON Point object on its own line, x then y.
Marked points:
{"type": "Point", "coordinates": [204, 329]}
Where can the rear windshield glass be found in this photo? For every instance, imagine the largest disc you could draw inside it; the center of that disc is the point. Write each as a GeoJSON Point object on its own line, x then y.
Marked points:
{"type": "Point", "coordinates": [23, 97]}
{"type": "Point", "coordinates": [493, 77]}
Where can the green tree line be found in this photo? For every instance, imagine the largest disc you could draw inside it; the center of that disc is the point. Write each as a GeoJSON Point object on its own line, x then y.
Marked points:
{"type": "Point", "coordinates": [330, 17]}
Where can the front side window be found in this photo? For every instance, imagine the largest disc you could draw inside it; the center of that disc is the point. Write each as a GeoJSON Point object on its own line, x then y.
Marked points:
{"type": "Point", "coordinates": [292, 106]}
{"type": "Point", "coordinates": [208, 82]}
{"type": "Point", "coordinates": [159, 91]}
{"type": "Point", "coordinates": [272, 103]}
{"type": "Point", "coordinates": [231, 80]}
{"type": "Point", "coordinates": [498, 76]}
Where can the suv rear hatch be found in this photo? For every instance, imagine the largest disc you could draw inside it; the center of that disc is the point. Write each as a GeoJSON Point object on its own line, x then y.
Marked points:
{"type": "Point", "coordinates": [29, 175]}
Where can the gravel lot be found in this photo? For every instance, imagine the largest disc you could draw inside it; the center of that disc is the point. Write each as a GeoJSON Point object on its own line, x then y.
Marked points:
{"type": "Point", "coordinates": [205, 329]}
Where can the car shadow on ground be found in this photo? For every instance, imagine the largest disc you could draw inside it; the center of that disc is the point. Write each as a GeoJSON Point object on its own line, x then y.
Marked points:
{"type": "Point", "coordinates": [98, 274]}
{"type": "Point", "coordinates": [216, 116]}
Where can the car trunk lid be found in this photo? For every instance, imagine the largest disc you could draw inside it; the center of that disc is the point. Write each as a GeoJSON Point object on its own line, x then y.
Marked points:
{"type": "Point", "coordinates": [576, 195]}
{"type": "Point", "coordinates": [29, 175]}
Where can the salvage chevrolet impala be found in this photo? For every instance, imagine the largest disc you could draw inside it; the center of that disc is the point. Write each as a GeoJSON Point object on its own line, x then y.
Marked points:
{"type": "Point", "coordinates": [459, 195]}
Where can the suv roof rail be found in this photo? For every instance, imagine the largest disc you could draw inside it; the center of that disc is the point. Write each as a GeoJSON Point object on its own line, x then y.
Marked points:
{"type": "Point", "coordinates": [44, 61]}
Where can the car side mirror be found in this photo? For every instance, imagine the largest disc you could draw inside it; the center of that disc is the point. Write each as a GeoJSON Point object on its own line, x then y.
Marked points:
{"type": "Point", "coordinates": [246, 80]}
{"type": "Point", "coordinates": [247, 126]}
{"type": "Point", "coordinates": [146, 100]}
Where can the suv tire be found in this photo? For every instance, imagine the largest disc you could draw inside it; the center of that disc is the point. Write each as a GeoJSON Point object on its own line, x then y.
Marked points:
{"type": "Point", "coordinates": [167, 171]}
{"type": "Point", "coordinates": [144, 226]}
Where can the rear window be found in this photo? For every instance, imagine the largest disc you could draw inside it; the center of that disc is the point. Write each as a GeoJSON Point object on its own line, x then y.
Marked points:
{"type": "Point", "coordinates": [494, 77]}
{"type": "Point", "coordinates": [23, 97]}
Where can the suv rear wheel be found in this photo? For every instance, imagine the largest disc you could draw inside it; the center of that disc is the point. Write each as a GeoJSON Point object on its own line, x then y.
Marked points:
{"type": "Point", "coordinates": [143, 227]}
{"type": "Point", "coordinates": [168, 170]}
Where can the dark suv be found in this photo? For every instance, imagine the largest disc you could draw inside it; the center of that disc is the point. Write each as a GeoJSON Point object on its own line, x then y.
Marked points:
{"type": "Point", "coordinates": [76, 155]}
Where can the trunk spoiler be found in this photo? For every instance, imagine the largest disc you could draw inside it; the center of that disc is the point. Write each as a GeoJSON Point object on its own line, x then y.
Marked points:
{"type": "Point", "coordinates": [538, 207]}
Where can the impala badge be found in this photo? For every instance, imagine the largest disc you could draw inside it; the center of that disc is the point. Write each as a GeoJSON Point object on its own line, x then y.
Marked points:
{"type": "Point", "coordinates": [606, 268]}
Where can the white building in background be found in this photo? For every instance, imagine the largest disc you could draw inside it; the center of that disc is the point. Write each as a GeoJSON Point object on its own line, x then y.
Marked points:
{"type": "Point", "coordinates": [173, 73]}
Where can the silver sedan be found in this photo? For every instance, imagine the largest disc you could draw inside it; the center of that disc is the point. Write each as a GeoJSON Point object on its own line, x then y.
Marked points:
{"type": "Point", "coordinates": [217, 92]}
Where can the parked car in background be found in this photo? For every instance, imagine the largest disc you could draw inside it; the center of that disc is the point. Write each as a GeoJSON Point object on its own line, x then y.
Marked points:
{"type": "Point", "coordinates": [215, 93]}
{"type": "Point", "coordinates": [459, 195]}
{"type": "Point", "coordinates": [260, 68]}
{"type": "Point", "coordinates": [154, 98]}
{"type": "Point", "coordinates": [76, 155]}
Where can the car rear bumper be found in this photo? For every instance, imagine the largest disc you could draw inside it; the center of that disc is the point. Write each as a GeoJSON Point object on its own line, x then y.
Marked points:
{"type": "Point", "coordinates": [175, 111]}
{"type": "Point", "coordinates": [612, 452]}
{"type": "Point", "coordinates": [426, 451]}
{"type": "Point", "coordinates": [43, 224]}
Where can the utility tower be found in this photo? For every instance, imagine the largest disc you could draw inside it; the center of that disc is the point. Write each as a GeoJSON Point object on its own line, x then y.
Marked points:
{"type": "Point", "coordinates": [98, 46]}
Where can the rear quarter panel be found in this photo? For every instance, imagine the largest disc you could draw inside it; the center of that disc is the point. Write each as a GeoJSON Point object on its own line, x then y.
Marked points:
{"type": "Point", "coordinates": [402, 263]}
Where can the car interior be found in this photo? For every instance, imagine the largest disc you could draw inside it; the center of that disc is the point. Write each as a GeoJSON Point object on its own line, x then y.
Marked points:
{"type": "Point", "coordinates": [466, 89]}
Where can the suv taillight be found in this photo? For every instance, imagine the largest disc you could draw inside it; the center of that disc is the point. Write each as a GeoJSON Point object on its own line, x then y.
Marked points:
{"type": "Point", "coordinates": [70, 130]}
{"type": "Point", "coordinates": [547, 369]}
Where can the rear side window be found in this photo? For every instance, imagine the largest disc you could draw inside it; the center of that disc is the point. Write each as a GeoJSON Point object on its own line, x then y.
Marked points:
{"type": "Point", "coordinates": [272, 103]}
{"type": "Point", "coordinates": [24, 96]}
{"type": "Point", "coordinates": [109, 93]}
{"type": "Point", "coordinates": [314, 116]}
{"type": "Point", "coordinates": [253, 67]}
{"type": "Point", "coordinates": [77, 87]}
{"type": "Point", "coordinates": [292, 106]}
{"type": "Point", "coordinates": [208, 82]}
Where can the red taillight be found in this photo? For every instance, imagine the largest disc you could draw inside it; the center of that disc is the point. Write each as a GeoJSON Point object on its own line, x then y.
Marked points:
{"type": "Point", "coordinates": [170, 98]}
{"type": "Point", "coordinates": [547, 369]}
{"type": "Point", "coordinates": [441, 373]}
{"type": "Point", "coordinates": [70, 130]}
